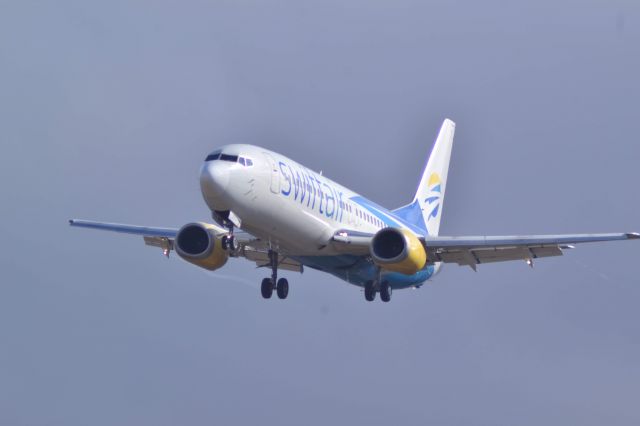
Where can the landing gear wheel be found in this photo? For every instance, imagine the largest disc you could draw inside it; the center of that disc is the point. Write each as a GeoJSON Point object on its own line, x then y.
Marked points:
{"type": "Point", "coordinates": [232, 245]}
{"type": "Point", "coordinates": [266, 288]}
{"type": "Point", "coordinates": [282, 288]}
{"type": "Point", "coordinates": [385, 292]}
{"type": "Point", "coordinates": [369, 291]}
{"type": "Point", "coordinates": [229, 243]}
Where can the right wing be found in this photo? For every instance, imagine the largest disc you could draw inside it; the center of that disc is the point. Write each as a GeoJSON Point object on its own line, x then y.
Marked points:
{"type": "Point", "coordinates": [250, 247]}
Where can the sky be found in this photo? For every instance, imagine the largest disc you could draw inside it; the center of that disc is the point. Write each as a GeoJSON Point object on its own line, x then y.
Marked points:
{"type": "Point", "coordinates": [107, 110]}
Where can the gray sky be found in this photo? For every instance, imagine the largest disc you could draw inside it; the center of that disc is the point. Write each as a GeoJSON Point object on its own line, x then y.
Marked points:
{"type": "Point", "coordinates": [108, 109]}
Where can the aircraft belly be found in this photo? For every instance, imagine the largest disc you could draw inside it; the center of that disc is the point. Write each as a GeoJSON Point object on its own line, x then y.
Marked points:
{"type": "Point", "coordinates": [358, 270]}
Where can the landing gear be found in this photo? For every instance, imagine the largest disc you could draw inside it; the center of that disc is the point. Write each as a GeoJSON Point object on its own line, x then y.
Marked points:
{"type": "Point", "coordinates": [229, 243]}
{"type": "Point", "coordinates": [369, 291]}
{"type": "Point", "coordinates": [281, 286]}
{"type": "Point", "coordinates": [266, 288]}
{"type": "Point", "coordinates": [385, 291]}
{"type": "Point", "coordinates": [224, 218]}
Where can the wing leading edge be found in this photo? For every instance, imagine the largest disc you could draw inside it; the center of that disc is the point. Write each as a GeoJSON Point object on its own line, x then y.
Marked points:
{"type": "Point", "coordinates": [145, 231]}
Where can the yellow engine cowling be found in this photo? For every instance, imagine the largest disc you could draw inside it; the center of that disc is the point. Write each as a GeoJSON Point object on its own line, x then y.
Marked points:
{"type": "Point", "coordinates": [398, 250]}
{"type": "Point", "coordinates": [201, 244]}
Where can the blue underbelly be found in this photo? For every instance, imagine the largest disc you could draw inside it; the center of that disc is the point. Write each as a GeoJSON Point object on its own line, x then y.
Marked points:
{"type": "Point", "coordinates": [357, 270]}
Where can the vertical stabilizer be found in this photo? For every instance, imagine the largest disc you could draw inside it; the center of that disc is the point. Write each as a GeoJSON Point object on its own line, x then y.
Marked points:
{"type": "Point", "coordinates": [426, 208]}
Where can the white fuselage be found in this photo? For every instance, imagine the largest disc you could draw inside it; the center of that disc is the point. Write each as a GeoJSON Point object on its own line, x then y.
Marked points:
{"type": "Point", "coordinates": [294, 208]}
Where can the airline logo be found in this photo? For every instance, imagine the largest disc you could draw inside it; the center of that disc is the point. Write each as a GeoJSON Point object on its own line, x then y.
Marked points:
{"type": "Point", "coordinates": [434, 196]}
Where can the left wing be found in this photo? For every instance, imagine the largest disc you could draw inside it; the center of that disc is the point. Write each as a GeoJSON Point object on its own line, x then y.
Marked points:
{"type": "Point", "coordinates": [472, 251]}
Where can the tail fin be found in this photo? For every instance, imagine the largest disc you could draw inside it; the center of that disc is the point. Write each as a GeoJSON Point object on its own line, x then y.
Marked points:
{"type": "Point", "coordinates": [426, 208]}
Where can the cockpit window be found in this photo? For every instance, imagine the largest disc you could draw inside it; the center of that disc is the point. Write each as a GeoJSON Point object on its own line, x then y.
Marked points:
{"type": "Point", "coordinates": [227, 157]}
{"type": "Point", "coordinates": [247, 162]}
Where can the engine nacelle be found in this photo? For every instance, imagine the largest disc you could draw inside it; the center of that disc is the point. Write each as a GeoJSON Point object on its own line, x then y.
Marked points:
{"type": "Point", "coordinates": [398, 250]}
{"type": "Point", "coordinates": [201, 244]}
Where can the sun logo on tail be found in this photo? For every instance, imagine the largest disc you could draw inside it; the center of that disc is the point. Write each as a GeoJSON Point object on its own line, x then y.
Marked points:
{"type": "Point", "coordinates": [435, 195]}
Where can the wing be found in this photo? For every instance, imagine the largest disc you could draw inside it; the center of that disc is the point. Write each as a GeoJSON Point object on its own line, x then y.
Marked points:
{"type": "Point", "coordinates": [145, 231]}
{"type": "Point", "coordinates": [250, 247]}
{"type": "Point", "coordinates": [472, 251]}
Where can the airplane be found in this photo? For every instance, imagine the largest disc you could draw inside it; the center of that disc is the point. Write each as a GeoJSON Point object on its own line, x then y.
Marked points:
{"type": "Point", "coordinates": [281, 215]}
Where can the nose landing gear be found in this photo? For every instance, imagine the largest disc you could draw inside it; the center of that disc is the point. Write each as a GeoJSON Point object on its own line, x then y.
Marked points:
{"type": "Point", "coordinates": [229, 242]}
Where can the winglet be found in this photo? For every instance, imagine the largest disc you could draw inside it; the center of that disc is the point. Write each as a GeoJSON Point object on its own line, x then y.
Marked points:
{"type": "Point", "coordinates": [633, 235]}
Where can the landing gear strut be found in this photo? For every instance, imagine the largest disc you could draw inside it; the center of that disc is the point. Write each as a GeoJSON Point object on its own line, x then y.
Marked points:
{"type": "Point", "coordinates": [269, 284]}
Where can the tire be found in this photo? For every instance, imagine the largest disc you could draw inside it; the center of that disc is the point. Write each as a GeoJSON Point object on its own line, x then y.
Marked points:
{"type": "Point", "coordinates": [385, 292]}
{"type": "Point", "coordinates": [267, 288]}
{"type": "Point", "coordinates": [369, 291]}
{"type": "Point", "coordinates": [282, 288]}
{"type": "Point", "coordinates": [232, 244]}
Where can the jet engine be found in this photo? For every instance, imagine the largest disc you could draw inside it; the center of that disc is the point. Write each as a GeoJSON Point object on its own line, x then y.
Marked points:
{"type": "Point", "coordinates": [398, 250]}
{"type": "Point", "coordinates": [201, 244]}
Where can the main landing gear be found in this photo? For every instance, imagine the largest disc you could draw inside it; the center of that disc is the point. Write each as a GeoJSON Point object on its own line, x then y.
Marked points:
{"type": "Point", "coordinates": [281, 286]}
{"type": "Point", "coordinates": [370, 291]}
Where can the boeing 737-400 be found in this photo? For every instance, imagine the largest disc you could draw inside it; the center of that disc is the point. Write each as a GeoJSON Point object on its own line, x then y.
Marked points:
{"type": "Point", "coordinates": [281, 215]}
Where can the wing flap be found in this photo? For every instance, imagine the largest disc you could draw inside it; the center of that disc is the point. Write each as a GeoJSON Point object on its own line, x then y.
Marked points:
{"type": "Point", "coordinates": [261, 259]}
{"type": "Point", "coordinates": [472, 257]}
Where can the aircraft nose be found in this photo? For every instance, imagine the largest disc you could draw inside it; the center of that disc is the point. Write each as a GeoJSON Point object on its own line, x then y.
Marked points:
{"type": "Point", "coordinates": [214, 179]}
